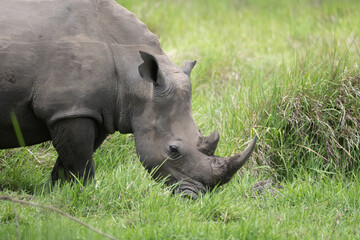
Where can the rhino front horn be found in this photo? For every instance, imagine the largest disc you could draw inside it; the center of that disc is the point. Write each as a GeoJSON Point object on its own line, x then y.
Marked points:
{"type": "Point", "coordinates": [224, 168]}
{"type": "Point", "coordinates": [208, 144]}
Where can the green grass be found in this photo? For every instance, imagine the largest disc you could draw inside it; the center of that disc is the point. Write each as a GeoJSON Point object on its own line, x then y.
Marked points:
{"type": "Point", "coordinates": [285, 70]}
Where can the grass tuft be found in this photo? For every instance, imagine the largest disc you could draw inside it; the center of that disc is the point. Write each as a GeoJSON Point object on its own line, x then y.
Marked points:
{"type": "Point", "coordinates": [313, 128]}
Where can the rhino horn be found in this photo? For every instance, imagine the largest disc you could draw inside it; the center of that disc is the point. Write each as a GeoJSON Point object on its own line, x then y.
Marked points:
{"type": "Point", "coordinates": [208, 144]}
{"type": "Point", "coordinates": [224, 168]}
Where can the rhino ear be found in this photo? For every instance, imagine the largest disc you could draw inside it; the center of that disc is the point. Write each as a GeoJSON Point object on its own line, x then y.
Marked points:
{"type": "Point", "coordinates": [149, 69]}
{"type": "Point", "coordinates": [187, 66]}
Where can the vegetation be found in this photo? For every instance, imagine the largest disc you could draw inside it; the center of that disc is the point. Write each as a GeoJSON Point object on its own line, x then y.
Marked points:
{"type": "Point", "coordinates": [287, 71]}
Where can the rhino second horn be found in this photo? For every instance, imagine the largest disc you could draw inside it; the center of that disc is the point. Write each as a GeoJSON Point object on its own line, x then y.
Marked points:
{"type": "Point", "coordinates": [208, 144]}
{"type": "Point", "coordinates": [224, 168]}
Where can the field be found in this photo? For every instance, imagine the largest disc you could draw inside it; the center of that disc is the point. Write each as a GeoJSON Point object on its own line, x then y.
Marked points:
{"type": "Point", "coordinates": [286, 71]}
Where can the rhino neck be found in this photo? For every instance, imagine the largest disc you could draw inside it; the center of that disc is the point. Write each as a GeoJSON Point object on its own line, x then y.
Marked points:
{"type": "Point", "coordinates": [123, 110]}
{"type": "Point", "coordinates": [125, 41]}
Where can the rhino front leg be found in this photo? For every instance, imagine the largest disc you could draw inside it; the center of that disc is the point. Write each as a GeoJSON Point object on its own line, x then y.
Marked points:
{"type": "Point", "coordinates": [74, 141]}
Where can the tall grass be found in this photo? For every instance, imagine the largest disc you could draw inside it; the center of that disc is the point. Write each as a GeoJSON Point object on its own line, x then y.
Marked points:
{"type": "Point", "coordinates": [287, 71]}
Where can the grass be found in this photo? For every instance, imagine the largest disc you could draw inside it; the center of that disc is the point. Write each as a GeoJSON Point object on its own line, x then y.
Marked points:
{"type": "Point", "coordinates": [287, 71]}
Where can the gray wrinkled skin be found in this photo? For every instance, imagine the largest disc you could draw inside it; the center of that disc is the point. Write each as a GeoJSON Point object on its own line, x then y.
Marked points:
{"type": "Point", "coordinates": [74, 71]}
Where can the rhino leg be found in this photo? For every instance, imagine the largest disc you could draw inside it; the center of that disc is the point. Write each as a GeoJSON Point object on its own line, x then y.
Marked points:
{"type": "Point", "coordinates": [75, 140]}
{"type": "Point", "coordinates": [100, 139]}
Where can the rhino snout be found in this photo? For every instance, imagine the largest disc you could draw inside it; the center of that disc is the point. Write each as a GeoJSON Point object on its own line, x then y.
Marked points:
{"type": "Point", "coordinates": [190, 189]}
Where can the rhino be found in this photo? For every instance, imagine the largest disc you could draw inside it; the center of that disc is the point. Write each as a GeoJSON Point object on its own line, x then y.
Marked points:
{"type": "Point", "coordinates": [75, 71]}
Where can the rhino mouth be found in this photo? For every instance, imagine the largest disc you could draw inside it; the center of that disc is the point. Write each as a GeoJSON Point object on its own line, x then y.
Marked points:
{"type": "Point", "coordinates": [191, 189]}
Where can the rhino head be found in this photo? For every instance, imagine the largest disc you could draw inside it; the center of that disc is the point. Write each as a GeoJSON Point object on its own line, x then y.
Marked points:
{"type": "Point", "coordinates": [166, 136]}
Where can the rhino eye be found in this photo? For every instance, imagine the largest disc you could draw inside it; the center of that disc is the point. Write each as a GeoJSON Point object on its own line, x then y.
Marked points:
{"type": "Point", "coordinates": [174, 152]}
